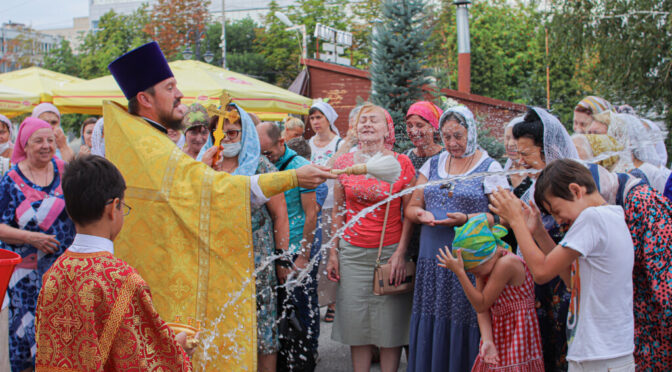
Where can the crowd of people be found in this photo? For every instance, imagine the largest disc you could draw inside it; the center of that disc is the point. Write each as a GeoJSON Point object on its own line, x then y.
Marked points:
{"type": "Point", "coordinates": [562, 265]}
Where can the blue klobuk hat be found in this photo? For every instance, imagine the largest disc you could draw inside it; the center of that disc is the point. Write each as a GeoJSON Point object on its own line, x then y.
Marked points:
{"type": "Point", "coordinates": [140, 69]}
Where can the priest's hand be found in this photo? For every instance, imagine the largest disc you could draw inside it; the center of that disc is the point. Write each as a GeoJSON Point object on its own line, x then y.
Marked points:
{"type": "Point", "coordinates": [61, 139]}
{"type": "Point", "coordinates": [189, 346]}
{"type": "Point", "coordinates": [310, 176]}
{"type": "Point", "coordinates": [282, 272]}
{"type": "Point", "coordinates": [209, 154]}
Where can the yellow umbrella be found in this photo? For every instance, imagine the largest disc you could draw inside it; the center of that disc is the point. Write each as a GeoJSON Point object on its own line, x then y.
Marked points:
{"type": "Point", "coordinates": [199, 82]}
{"type": "Point", "coordinates": [14, 102]}
{"type": "Point", "coordinates": [37, 80]}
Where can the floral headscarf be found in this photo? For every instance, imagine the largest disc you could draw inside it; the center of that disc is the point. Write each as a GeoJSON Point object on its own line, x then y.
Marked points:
{"type": "Point", "coordinates": [600, 143]}
{"type": "Point", "coordinates": [10, 128]}
{"type": "Point", "coordinates": [594, 105]}
{"type": "Point", "coordinates": [196, 115]}
{"type": "Point", "coordinates": [466, 119]}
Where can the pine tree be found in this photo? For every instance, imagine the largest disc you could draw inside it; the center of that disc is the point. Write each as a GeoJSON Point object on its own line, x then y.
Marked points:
{"type": "Point", "coordinates": [397, 74]}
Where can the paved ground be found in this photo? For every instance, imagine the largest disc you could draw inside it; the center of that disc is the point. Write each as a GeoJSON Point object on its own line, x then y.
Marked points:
{"type": "Point", "coordinates": [335, 357]}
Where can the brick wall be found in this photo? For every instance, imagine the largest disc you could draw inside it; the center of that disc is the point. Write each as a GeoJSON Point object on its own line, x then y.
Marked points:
{"type": "Point", "coordinates": [342, 85]}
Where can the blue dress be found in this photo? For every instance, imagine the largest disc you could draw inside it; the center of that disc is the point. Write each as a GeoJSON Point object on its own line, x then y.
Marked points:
{"type": "Point", "coordinates": [444, 330]}
{"type": "Point", "coordinates": [26, 281]}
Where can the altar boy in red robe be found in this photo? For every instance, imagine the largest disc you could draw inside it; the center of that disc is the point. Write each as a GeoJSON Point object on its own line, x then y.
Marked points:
{"type": "Point", "coordinates": [95, 312]}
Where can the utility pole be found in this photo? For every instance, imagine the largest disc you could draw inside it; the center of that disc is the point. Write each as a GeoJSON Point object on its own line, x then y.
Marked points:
{"type": "Point", "coordinates": [223, 44]}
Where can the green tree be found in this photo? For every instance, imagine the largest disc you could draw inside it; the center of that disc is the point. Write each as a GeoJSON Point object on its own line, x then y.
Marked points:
{"type": "Point", "coordinates": [366, 14]}
{"type": "Point", "coordinates": [116, 34]}
{"type": "Point", "coordinates": [175, 24]}
{"type": "Point", "coordinates": [397, 72]}
{"type": "Point", "coordinates": [279, 49]}
{"type": "Point", "coordinates": [508, 59]}
{"type": "Point", "coordinates": [62, 60]}
{"type": "Point", "coordinates": [311, 12]}
{"type": "Point", "coordinates": [628, 46]}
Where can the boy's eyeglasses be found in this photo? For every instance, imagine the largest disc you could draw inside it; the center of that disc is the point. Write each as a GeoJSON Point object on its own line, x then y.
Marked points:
{"type": "Point", "coordinates": [126, 207]}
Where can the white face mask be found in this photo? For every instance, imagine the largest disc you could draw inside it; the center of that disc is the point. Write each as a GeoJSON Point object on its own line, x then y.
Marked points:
{"type": "Point", "coordinates": [231, 150]}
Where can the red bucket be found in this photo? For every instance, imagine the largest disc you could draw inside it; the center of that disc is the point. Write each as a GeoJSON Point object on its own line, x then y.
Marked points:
{"type": "Point", "coordinates": [8, 260]}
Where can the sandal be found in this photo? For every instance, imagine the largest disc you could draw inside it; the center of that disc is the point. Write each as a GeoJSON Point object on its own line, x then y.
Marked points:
{"type": "Point", "coordinates": [329, 316]}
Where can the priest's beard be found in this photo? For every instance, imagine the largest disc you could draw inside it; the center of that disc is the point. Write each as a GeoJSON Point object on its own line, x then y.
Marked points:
{"type": "Point", "coordinates": [171, 120]}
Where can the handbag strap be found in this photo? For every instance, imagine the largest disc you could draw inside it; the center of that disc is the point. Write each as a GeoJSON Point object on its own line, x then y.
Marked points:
{"type": "Point", "coordinates": [382, 235]}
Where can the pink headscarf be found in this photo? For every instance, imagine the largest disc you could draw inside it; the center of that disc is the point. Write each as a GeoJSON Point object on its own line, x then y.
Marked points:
{"type": "Point", "coordinates": [45, 107]}
{"type": "Point", "coordinates": [389, 141]}
{"type": "Point", "coordinates": [29, 126]}
{"type": "Point", "coordinates": [426, 110]}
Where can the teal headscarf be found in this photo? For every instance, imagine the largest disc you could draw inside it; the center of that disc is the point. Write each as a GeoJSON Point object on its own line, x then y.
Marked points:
{"type": "Point", "coordinates": [248, 158]}
{"type": "Point", "coordinates": [478, 241]}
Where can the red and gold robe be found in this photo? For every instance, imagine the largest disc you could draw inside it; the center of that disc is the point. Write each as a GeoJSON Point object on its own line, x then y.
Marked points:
{"type": "Point", "coordinates": [95, 313]}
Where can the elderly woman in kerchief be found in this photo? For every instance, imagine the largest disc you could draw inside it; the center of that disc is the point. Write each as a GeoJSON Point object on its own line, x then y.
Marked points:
{"type": "Point", "coordinates": [85, 134]}
{"type": "Point", "coordinates": [422, 125]}
{"type": "Point", "coordinates": [649, 218]}
{"type": "Point", "coordinates": [6, 145]}
{"type": "Point", "coordinates": [34, 224]}
{"type": "Point", "coordinates": [240, 154]}
{"type": "Point", "coordinates": [50, 114]}
{"type": "Point", "coordinates": [444, 330]}
{"type": "Point", "coordinates": [638, 140]}
{"type": "Point", "coordinates": [196, 122]}
{"type": "Point", "coordinates": [362, 318]}
{"type": "Point", "coordinates": [584, 111]}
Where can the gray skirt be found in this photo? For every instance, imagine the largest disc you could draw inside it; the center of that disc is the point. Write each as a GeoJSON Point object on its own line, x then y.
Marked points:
{"type": "Point", "coordinates": [363, 318]}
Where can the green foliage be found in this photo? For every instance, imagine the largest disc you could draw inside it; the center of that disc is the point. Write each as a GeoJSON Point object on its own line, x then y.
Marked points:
{"type": "Point", "coordinates": [492, 145]}
{"type": "Point", "coordinates": [62, 59]}
{"type": "Point", "coordinates": [627, 45]}
{"type": "Point", "coordinates": [397, 72]}
{"type": "Point", "coordinates": [311, 12]}
{"type": "Point", "coordinates": [240, 35]}
{"type": "Point", "coordinates": [366, 13]}
{"type": "Point", "coordinates": [279, 48]}
{"type": "Point", "coordinates": [116, 35]}
{"type": "Point", "coordinates": [508, 59]}
{"type": "Point", "coordinates": [71, 123]}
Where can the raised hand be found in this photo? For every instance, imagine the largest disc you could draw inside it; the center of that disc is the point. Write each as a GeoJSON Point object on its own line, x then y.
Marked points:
{"type": "Point", "coordinates": [446, 259]}
{"type": "Point", "coordinates": [506, 205]}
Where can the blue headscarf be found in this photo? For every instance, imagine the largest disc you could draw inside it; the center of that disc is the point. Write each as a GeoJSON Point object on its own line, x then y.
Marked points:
{"type": "Point", "coordinates": [248, 158]}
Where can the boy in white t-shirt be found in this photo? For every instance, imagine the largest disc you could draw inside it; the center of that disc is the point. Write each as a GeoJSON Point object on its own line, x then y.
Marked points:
{"type": "Point", "coordinates": [595, 259]}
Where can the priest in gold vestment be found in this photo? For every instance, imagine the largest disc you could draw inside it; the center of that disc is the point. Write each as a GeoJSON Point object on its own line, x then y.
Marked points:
{"type": "Point", "coordinates": [189, 235]}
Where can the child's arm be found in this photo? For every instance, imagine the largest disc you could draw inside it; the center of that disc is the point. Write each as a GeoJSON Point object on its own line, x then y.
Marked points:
{"type": "Point", "coordinates": [544, 267]}
{"type": "Point", "coordinates": [501, 275]}
{"type": "Point", "coordinates": [488, 350]}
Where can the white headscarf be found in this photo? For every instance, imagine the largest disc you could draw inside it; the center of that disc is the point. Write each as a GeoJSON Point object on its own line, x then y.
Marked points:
{"type": "Point", "coordinates": [630, 132]}
{"type": "Point", "coordinates": [328, 113]}
{"type": "Point", "coordinates": [98, 139]}
{"type": "Point", "coordinates": [512, 123]}
{"type": "Point", "coordinates": [10, 128]}
{"type": "Point", "coordinates": [557, 142]}
{"type": "Point", "coordinates": [466, 119]}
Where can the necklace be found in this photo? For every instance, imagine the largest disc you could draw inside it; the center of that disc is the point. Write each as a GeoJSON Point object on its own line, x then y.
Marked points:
{"type": "Point", "coordinates": [34, 179]}
{"type": "Point", "coordinates": [451, 185]}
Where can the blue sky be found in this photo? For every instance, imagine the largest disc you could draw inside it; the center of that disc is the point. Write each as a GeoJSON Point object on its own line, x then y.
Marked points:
{"type": "Point", "coordinates": [43, 14]}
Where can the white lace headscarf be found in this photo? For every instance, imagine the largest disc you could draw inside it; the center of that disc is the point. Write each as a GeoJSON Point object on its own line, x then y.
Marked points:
{"type": "Point", "coordinates": [630, 132]}
{"type": "Point", "coordinates": [511, 124]}
{"type": "Point", "coordinates": [98, 139]}
{"type": "Point", "coordinates": [557, 142]}
{"type": "Point", "coordinates": [466, 119]}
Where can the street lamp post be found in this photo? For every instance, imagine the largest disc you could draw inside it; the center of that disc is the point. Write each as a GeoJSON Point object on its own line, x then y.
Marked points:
{"type": "Point", "coordinates": [187, 53]}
